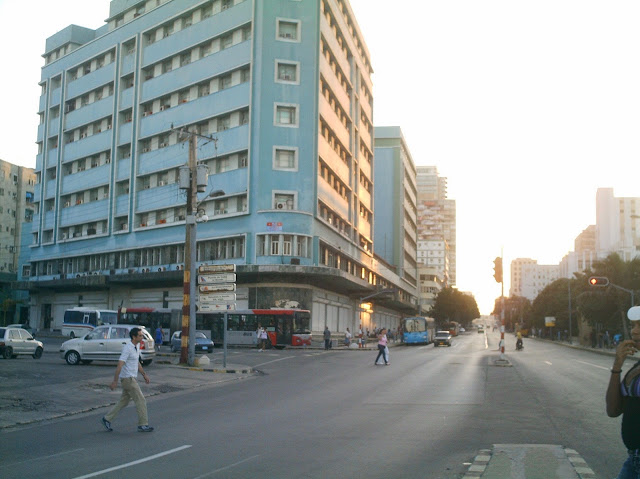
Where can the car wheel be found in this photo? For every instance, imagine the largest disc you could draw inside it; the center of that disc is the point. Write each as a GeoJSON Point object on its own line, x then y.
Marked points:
{"type": "Point", "coordinates": [72, 358]}
{"type": "Point", "coordinates": [7, 353]}
{"type": "Point", "coordinates": [72, 335]}
{"type": "Point", "coordinates": [146, 362]}
{"type": "Point", "coordinates": [38, 353]}
{"type": "Point", "coordinates": [86, 361]}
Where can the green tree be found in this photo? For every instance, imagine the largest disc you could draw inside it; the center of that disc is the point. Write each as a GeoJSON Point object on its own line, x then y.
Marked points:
{"type": "Point", "coordinates": [452, 305]}
{"type": "Point", "coordinates": [517, 311]}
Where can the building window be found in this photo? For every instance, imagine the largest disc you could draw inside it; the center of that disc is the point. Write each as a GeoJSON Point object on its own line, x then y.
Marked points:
{"type": "Point", "coordinates": [286, 72]}
{"type": "Point", "coordinates": [285, 158]}
{"type": "Point", "coordinates": [284, 201]}
{"type": "Point", "coordinates": [286, 115]}
{"type": "Point", "coordinates": [288, 30]}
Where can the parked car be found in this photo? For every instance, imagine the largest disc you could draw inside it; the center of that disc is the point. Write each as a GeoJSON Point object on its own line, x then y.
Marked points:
{"type": "Point", "coordinates": [17, 341]}
{"type": "Point", "coordinates": [442, 338]}
{"type": "Point", "coordinates": [26, 327]}
{"type": "Point", "coordinates": [105, 343]}
{"type": "Point", "coordinates": [480, 329]}
{"type": "Point", "coordinates": [203, 344]}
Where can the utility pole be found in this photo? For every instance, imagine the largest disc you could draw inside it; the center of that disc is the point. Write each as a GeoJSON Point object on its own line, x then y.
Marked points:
{"type": "Point", "coordinates": [187, 338]}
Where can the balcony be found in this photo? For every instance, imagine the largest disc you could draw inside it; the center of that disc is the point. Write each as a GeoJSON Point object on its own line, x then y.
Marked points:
{"type": "Point", "coordinates": [54, 99]}
{"type": "Point", "coordinates": [332, 41]}
{"type": "Point", "coordinates": [124, 169]}
{"type": "Point", "coordinates": [331, 197]}
{"type": "Point", "coordinates": [150, 200]}
{"type": "Point", "coordinates": [200, 70]}
{"type": "Point", "coordinates": [88, 146]}
{"type": "Point", "coordinates": [92, 80]}
{"type": "Point", "coordinates": [84, 213]}
{"type": "Point", "coordinates": [91, 178]}
{"type": "Point", "coordinates": [122, 205]}
{"type": "Point", "coordinates": [126, 98]}
{"type": "Point", "coordinates": [89, 113]}
{"type": "Point", "coordinates": [332, 119]}
{"type": "Point", "coordinates": [331, 158]}
{"type": "Point", "coordinates": [199, 32]}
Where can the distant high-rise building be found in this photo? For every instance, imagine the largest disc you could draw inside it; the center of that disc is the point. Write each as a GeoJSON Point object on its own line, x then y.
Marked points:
{"type": "Point", "coordinates": [583, 256]}
{"type": "Point", "coordinates": [617, 225]}
{"type": "Point", "coordinates": [528, 278]}
{"type": "Point", "coordinates": [436, 219]}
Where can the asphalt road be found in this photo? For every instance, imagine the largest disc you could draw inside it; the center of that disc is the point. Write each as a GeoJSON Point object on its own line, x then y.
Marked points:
{"type": "Point", "coordinates": [314, 414]}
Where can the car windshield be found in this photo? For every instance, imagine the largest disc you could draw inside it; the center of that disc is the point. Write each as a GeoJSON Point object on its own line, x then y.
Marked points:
{"type": "Point", "coordinates": [442, 333]}
{"type": "Point", "coordinates": [200, 336]}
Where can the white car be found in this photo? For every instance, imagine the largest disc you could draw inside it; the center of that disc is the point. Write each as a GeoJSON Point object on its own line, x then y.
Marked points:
{"type": "Point", "coordinates": [105, 343]}
{"type": "Point", "coordinates": [17, 341]}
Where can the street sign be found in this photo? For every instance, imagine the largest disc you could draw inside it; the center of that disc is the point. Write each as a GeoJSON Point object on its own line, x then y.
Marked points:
{"type": "Point", "coordinates": [210, 308]}
{"type": "Point", "coordinates": [216, 297]}
{"type": "Point", "coordinates": [217, 278]}
{"type": "Point", "coordinates": [214, 288]}
{"type": "Point", "coordinates": [217, 268]}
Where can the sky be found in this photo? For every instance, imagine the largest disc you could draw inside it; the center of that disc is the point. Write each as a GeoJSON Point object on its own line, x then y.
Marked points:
{"type": "Point", "coordinates": [527, 108]}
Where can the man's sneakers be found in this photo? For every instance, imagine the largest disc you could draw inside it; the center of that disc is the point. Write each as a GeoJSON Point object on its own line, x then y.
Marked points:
{"type": "Point", "coordinates": [145, 429]}
{"type": "Point", "coordinates": [106, 424]}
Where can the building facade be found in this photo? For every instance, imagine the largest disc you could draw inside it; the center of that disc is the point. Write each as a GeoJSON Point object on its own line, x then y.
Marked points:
{"type": "Point", "coordinates": [395, 231]}
{"type": "Point", "coordinates": [528, 278]}
{"type": "Point", "coordinates": [436, 221]}
{"type": "Point", "coordinates": [17, 185]}
{"type": "Point", "coordinates": [617, 225]}
{"type": "Point", "coordinates": [279, 92]}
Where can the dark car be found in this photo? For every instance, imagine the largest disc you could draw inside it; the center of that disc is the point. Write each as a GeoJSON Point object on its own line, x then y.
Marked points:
{"type": "Point", "coordinates": [442, 338]}
{"type": "Point", "coordinates": [203, 344]}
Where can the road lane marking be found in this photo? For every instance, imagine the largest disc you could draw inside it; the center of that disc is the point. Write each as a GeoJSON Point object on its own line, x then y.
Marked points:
{"type": "Point", "coordinates": [226, 467]}
{"type": "Point", "coordinates": [139, 461]}
{"type": "Point", "coordinates": [549, 363]}
{"type": "Point", "coordinates": [275, 360]}
{"type": "Point", "coordinates": [45, 457]}
{"type": "Point", "coordinates": [590, 364]}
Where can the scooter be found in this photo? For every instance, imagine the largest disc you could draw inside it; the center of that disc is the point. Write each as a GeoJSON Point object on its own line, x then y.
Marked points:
{"type": "Point", "coordinates": [519, 345]}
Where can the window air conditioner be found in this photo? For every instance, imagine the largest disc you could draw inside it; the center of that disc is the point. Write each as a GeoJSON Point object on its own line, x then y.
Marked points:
{"type": "Point", "coordinates": [161, 183]}
{"type": "Point", "coordinates": [286, 77]}
{"type": "Point", "coordinates": [281, 205]}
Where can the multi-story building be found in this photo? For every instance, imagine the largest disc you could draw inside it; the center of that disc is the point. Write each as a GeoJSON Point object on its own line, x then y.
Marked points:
{"type": "Point", "coordinates": [583, 256]}
{"type": "Point", "coordinates": [528, 278]}
{"type": "Point", "coordinates": [281, 90]}
{"type": "Point", "coordinates": [16, 208]}
{"type": "Point", "coordinates": [395, 231]}
{"type": "Point", "coordinates": [436, 218]}
{"type": "Point", "coordinates": [617, 225]}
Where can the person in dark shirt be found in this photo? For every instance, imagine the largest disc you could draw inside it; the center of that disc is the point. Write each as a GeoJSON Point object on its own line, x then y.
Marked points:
{"type": "Point", "coordinates": [623, 397]}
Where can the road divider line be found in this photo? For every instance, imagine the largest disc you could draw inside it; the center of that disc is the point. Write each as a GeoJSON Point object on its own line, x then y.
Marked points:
{"type": "Point", "coordinates": [274, 361]}
{"type": "Point", "coordinates": [134, 463]}
{"type": "Point", "coordinates": [226, 467]}
{"type": "Point", "coordinates": [45, 457]}
{"type": "Point", "coordinates": [590, 364]}
{"type": "Point", "coordinates": [548, 362]}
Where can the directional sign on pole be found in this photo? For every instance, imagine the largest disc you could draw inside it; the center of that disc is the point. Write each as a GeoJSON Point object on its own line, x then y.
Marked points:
{"type": "Point", "coordinates": [210, 308]}
{"type": "Point", "coordinates": [217, 278]}
{"type": "Point", "coordinates": [216, 297]}
{"type": "Point", "coordinates": [217, 268]}
{"type": "Point", "coordinates": [214, 288]}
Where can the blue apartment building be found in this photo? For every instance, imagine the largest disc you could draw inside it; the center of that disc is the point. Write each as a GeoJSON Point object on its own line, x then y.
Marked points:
{"type": "Point", "coordinates": [280, 93]}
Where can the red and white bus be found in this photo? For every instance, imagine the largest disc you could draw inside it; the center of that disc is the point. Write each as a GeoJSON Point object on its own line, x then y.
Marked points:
{"type": "Point", "coordinates": [285, 327]}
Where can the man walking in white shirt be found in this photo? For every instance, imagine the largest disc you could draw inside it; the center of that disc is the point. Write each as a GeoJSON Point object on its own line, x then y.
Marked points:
{"type": "Point", "coordinates": [128, 367]}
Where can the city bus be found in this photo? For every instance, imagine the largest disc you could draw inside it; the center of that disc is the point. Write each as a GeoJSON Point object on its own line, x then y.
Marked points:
{"type": "Point", "coordinates": [285, 327]}
{"type": "Point", "coordinates": [169, 320]}
{"type": "Point", "coordinates": [418, 330]}
{"type": "Point", "coordinates": [79, 321]}
{"type": "Point", "coordinates": [453, 328]}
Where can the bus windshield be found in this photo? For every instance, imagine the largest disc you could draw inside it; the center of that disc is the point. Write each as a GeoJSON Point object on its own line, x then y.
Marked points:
{"type": "Point", "coordinates": [415, 325]}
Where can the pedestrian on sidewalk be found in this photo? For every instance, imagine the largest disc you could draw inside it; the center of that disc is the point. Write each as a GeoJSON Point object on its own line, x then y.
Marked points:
{"type": "Point", "coordinates": [159, 337]}
{"type": "Point", "coordinates": [327, 338]}
{"type": "Point", "coordinates": [129, 366]}
{"type": "Point", "coordinates": [360, 338]}
{"type": "Point", "coordinates": [347, 338]}
{"type": "Point", "coordinates": [382, 344]}
{"type": "Point", "coordinates": [623, 397]}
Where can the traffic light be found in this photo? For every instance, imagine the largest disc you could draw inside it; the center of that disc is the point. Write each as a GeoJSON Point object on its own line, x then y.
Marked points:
{"type": "Point", "coordinates": [599, 281]}
{"type": "Point", "coordinates": [497, 269]}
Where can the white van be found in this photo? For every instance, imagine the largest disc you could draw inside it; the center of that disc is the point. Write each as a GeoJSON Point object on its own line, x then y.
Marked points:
{"type": "Point", "coordinates": [79, 321]}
